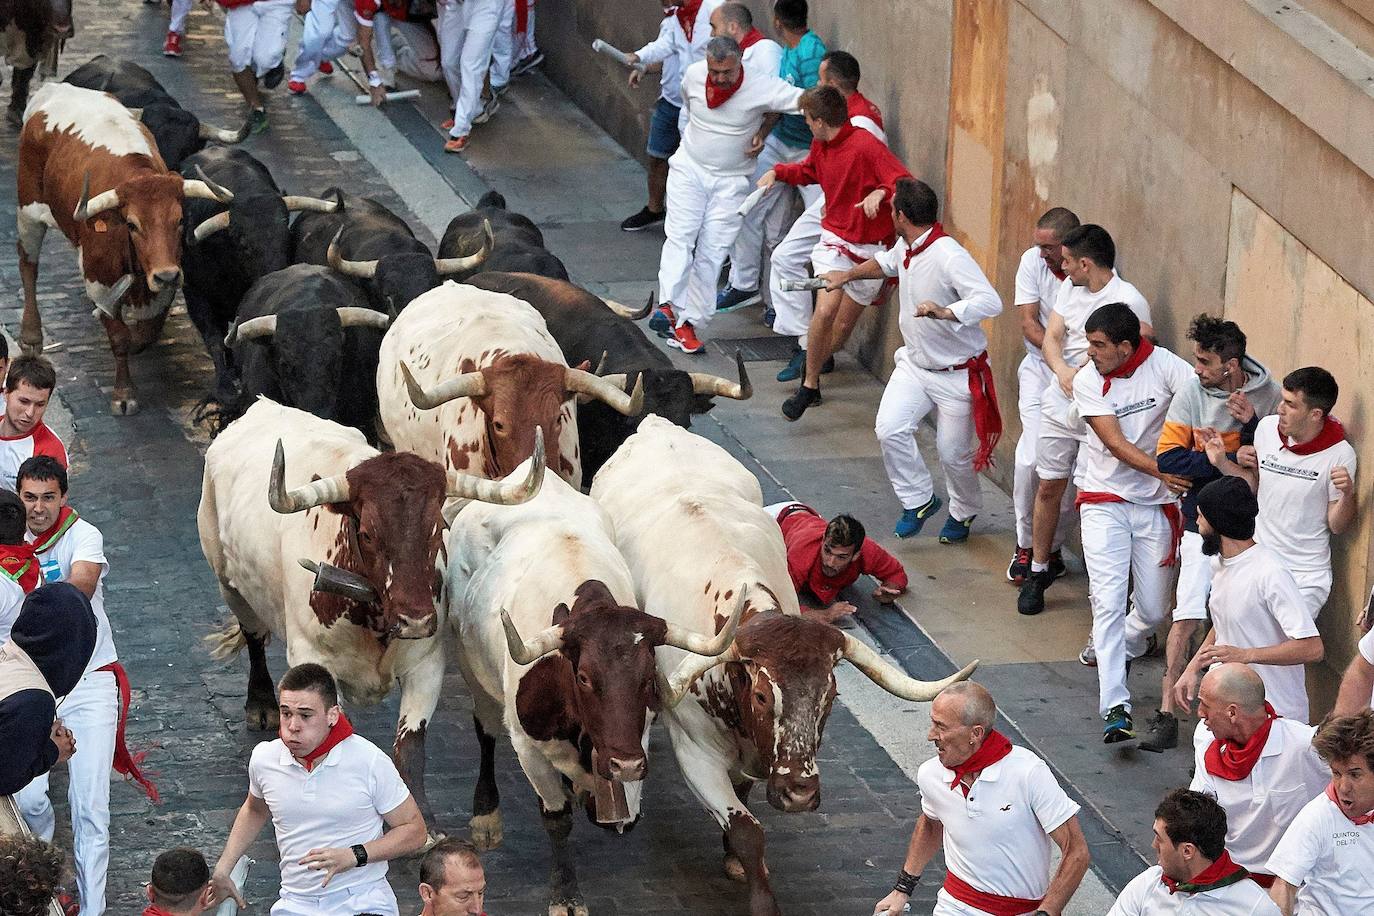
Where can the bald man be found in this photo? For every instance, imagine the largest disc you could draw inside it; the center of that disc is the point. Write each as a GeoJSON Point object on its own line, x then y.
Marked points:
{"type": "Point", "coordinates": [1261, 767]}
{"type": "Point", "coordinates": [994, 809]}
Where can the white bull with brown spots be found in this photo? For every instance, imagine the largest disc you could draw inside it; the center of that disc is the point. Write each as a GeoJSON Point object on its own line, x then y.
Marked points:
{"type": "Point", "coordinates": [690, 521]}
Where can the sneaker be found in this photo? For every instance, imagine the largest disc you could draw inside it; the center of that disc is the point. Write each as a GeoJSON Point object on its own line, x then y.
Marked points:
{"type": "Point", "coordinates": [913, 520]}
{"type": "Point", "coordinates": [1057, 564]}
{"type": "Point", "coordinates": [685, 339]}
{"type": "Point", "coordinates": [662, 321]}
{"type": "Point", "coordinates": [1019, 567]}
{"type": "Point", "coordinates": [955, 531]}
{"type": "Point", "coordinates": [257, 120]}
{"type": "Point", "coordinates": [456, 144]}
{"type": "Point", "coordinates": [770, 315]}
{"type": "Point", "coordinates": [1119, 726]}
{"type": "Point", "coordinates": [642, 220]}
{"type": "Point", "coordinates": [1031, 601]}
{"type": "Point", "coordinates": [1162, 733]}
{"type": "Point", "coordinates": [499, 91]}
{"type": "Point", "coordinates": [296, 87]}
{"type": "Point", "coordinates": [793, 370]}
{"type": "Point", "coordinates": [272, 78]}
{"type": "Point", "coordinates": [326, 67]}
{"type": "Point", "coordinates": [796, 405]}
{"type": "Point", "coordinates": [1088, 657]}
{"type": "Point", "coordinates": [172, 46]}
{"type": "Point", "coordinates": [828, 366]}
{"type": "Point", "coordinates": [447, 125]}
{"type": "Point", "coordinates": [1151, 646]}
{"type": "Point", "coordinates": [729, 299]}
{"type": "Point", "coordinates": [528, 64]}
{"type": "Point", "coordinates": [488, 109]}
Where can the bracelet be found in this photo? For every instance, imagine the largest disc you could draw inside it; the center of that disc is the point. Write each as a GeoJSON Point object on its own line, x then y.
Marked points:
{"type": "Point", "coordinates": [374, 79]}
{"type": "Point", "coordinates": [906, 882]}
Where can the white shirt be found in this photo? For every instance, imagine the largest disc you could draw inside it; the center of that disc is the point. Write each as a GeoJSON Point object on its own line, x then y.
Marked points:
{"type": "Point", "coordinates": [1140, 404]}
{"type": "Point", "coordinates": [82, 542]}
{"type": "Point", "coordinates": [1035, 282]}
{"type": "Point", "coordinates": [765, 56]}
{"type": "Point", "coordinates": [947, 275]}
{"type": "Point", "coordinates": [15, 451]}
{"type": "Point", "coordinates": [1329, 860]}
{"type": "Point", "coordinates": [1147, 895]}
{"type": "Point", "coordinates": [1254, 604]}
{"type": "Point", "coordinates": [1295, 492]}
{"type": "Point", "coordinates": [717, 139]}
{"type": "Point", "coordinates": [338, 803]}
{"type": "Point", "coordinates": [997, 839]}
{"type": "Point", "coordinates": [11, 603]}
{"type": "Point", "coordinates": [1259, 807]}
{"type": "Point", "coordinates": [1075, 303]}
{"type": "Point", "coordinates": [672, 49]}
{"type": "Point", "coordinates": [1367, 650]}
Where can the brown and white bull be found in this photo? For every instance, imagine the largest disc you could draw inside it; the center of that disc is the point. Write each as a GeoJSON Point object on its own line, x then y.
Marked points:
{"type": "Point", "coordinates": [465, 376]}
{"type": "Point", "coordinates": [283, 488]}
{"type": "Point", "coordinates": [689, 520]}
{"type": "Point", "coordinates": [558, 655]}
{"type": "Point", "coordinates": [127, 234]}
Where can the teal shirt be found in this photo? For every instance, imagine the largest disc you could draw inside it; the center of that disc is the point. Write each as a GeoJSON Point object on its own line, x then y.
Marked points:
{"type": "Point", "coordinates": [801, 66]}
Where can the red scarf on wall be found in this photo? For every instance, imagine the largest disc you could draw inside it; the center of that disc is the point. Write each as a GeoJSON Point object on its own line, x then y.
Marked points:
{"type": "Point", "coordinates": [686, 13]}
{"type": "Point", "coordinates": [995, 746]}
{"type": "Point", "coordinates": [1332, 432]}
{"type": "Point", "coordinates": [1220, 873]}
{"type": "Point", "coordinates": [936, 233]}
{"type": "Point", "coordinates": [1127, 368]}
{"type": "Point", "coordinates": [717, 96]}
{"type": "Point", "coordinates": [341, 730]}
{"type": "Point", "coordinates": [1234, 762]}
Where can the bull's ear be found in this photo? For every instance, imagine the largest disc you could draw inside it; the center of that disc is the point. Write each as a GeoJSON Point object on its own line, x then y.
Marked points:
{"type": "Point", "coordinates": [561, 615]}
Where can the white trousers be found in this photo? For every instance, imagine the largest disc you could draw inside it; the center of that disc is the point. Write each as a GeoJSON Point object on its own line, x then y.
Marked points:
{"type": "Point", "coordinates": [91, 711]}
{"type": "Point", "coordinates": [503, 46]}
{"type": "Point", "coordinates": [376, 897]}
{"type": "Point", "coordinates": [767, 223]}
{"type": "Point", "coordinates": [180, 10]}
{"type": "Point", "coordinates": [911, 394]}
{"type": "Point", "coordinates": [417, 52]}
{"type": "Point", "coordinates": [256, 34]}
{"type": "Point", "coordinates": [1123, 544]}
{"type": "Point", "coordinates": [328, 30]}
{"type": "Point", "coordinates": [466, 33]}
{"type": "Point", "coordinates": [700, 227]}
{"type": "Point", "coordinates": [1032, 377]}
{"type": "Point", "coordinates": [790, 261]}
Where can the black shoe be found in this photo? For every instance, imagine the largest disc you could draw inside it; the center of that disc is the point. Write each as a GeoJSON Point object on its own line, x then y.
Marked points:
{"type": "Point", "coordinates": [828, 366]}
{"type": "Point", "coordinates": [1057, 564]}
{"type": "Point", "coordinates": [1031, 601]}
{"type": "Point", "coordinates": [1019, 567]}
{"type": "Point", "coordinates": [796, 405]}
{"type": "Point", "coordinates": [272, 78]}
{"type": "Point", "coordinates": [1163, 733]}
{"type": "Point", "coordinates": [642, 220]}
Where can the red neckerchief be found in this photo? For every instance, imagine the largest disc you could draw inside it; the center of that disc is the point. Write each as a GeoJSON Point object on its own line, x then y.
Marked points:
{"type": "Point", "coordinates": [1360, 819]}
{"type": "Point", "coordinates": [717, 96]}
{"type": "Point", "coordinates": [522, 16]}
{"type": "Point", "coordinates": [994, 747]}
{"type": "Point", "coordinates": [860, 107]}
{"type": "Point", "coordinates": [936, 233]}
{"type": "Point", "coordinates": [341, 730]}
{"type": "Point", "coordinates": [1221, 873]}
{"type": "Point", "coordinates": [17, 562]}
{"type": "Point", "coordinates": [66, 517]}
{"type": "Point", "coordinates": [1331, 433]}
{"type": "Point", "coordinates": [751, 38]}
{"type": "Point", "coordinates": [686, 13]}
{"type": "Point", "coordinates": [1058, 272]}
{"type": "Point", "coordinates": [153, 909]}
{"type": "Point", "coordinates": [1233, 763]}
{"type": "Point", "coordinates": [1141, 354]}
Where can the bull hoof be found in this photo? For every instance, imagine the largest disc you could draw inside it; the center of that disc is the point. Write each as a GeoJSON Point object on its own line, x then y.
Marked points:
{"type": "Point", "coordinates": [734, 869]}
{"type": "Point", "coordinates": [31, 344]}
{"type": "Point", "coordinates": [123, 405]}
{"type": "Point", "coordinates": [486, 830]}
{"type": "Point", "coordinates": [569, 908]}
{"type": "Point", "coordinates": [262, 714]}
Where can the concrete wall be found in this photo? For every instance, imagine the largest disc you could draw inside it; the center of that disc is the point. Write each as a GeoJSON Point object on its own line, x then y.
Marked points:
{"type": "Point", "coordinates": [1224, 144]}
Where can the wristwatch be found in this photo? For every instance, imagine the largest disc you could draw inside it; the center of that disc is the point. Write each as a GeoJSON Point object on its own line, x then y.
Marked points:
{"type": "Point", "coordinates": [360, 853]}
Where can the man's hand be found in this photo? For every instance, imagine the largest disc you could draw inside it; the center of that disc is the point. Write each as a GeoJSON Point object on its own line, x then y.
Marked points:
{"type": "Point", "coordinates": [891, 905]}
{"type": "Point", "coordinates": [886, 594]}
{"type": "Point", "coordinates": [1186, 687]}
{"type": "Point", "coordinates": [837, 610]}
{"type": "Point", "coordinates": [835, 279]}
{"type": "Point", "coordinates": [329, 861]}
{"type": "Point", "coordinates": [1213, 445]}
{"type": "Point", "coordinates": [1341, 480]}
{"type": "Point", "coordinates": [928, 309]}
{"type": "Point", "coordinates": [1066, 380]}
{"type": "Point", "coordinates": [378, 94]}
{"type": "Point", "coordinates": [1240, 408]}
{"type": "Point", "coordinates": [768, 178]}
{"type": "Point", "coordinates": [1221, 655]}
{"type": "Point", "coordinates": [65, 741]}
{"type": "Point", "coordinates": [1247, 457]}
{"type": "Point", "coordinates": [1176, 483]}
{"type": "Point", "coordinates": [755, 145]}
{"type": "Point", "coordinates": [222, 888]}
{"type": "Point", "coordinates": [872, 202]}
{"type": "Point", "coordinates": [636, 74]}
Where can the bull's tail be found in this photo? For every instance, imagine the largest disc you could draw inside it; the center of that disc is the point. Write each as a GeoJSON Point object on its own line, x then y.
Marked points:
{"type": "Point", "coordinates": [227, 642]}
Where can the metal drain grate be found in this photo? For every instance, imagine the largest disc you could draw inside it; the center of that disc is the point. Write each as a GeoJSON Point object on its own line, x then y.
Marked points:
{"type": "Point", "coordinates": [758, 349]}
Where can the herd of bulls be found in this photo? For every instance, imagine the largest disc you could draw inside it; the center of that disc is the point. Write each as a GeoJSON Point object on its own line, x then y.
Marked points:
{"type": "Point", "coordinates": [376, 494]}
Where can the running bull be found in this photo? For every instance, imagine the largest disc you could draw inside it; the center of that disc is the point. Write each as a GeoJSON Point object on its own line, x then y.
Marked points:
{"type": "Point", "coordinates": [517, 244]}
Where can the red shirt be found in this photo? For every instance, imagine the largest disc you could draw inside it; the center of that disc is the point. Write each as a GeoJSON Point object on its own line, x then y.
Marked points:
{"type": "Point", "coordinates": [861, 107]}
{"type": "Point", "coordinates": [849, 168]}
{"type": "Point", "coordinates": [367, 9]}
{"type": "Point", "coordinates": [802, 532]}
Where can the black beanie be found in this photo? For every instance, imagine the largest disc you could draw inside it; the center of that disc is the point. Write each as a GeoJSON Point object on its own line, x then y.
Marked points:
{"type": "Point", "coordinates": [1230, 507]}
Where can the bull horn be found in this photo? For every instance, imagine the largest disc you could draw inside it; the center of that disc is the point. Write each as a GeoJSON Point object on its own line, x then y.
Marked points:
{"type": "Point", "coordinates": [673, 688]}
{"type": "Point", "coordinates": [701, 644]}
{"type": "Point", "coordinates": [365, 270]}
{"type": "Point", "coordinates": [509, 491]}
{"type": "Point", "coordinates": [703, 383]}
{"type": "Point", "coordinates": [109, 302]}
{"type": "Point", "coordinates": [603, 389]}
{"type": "Point", "coordinates": [525, 652]}
{"type": "Point", "coordinates": [252, 329]}
{"type": "Point", "coordinates": [89, 206]}
{"type": "Point", "coordinates": [353, 316]}
{"type": "Point", "coordinates": [467, 385]}
{"type": "Point", "coordinates": [223, 135]}
{"type": "Point", "coordinates": [468, 262]}
{"type": "Point", "coordinates": [894, 681]}
{"type": "Point", "coordinates": [336, 581]}
{"type": "Point", "coordinates": [137, 113]}
{"type": "Point", "coordinates": [624, 311]}
{"type": "Point", "coordinates": [217, 223]}
{"type": "Point", "coordinates": [316, 493]}
{"type": "Point", "coordinates": [601, 363]}
{"type": "Point", "coordinates": [296, 202]}
{"type": "Point", "coordinates": [205, 189]}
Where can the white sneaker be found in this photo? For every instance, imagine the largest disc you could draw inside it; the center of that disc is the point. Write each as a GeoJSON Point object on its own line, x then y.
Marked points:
{"type": "Point", "coordinates": [488, 109]}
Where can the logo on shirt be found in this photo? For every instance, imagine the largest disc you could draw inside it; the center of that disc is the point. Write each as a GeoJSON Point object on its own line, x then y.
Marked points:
{"type": "Point", "coordinates": [1005, 808]}
{"type": "Point", "coordinates": [1269, 463]}
{"type": "Point", "coordinates": [51, 569]}
{"type": "Point", "coordinates": [1137, 407]}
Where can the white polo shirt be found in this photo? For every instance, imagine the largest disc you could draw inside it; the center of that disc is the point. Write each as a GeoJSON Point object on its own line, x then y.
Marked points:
{"type": "Point", "coordinates": [1367, 650]}
{"type": "Point", "coordinates": [338, 803]}
{"type": "Point", "coordinates": [1254, 604]}
{"type": "Point", "coordinates": [15, 451]}
{"type": "Point", "coordinates": [1075, 303]}
{"type": "Point", "coordinates": [1035, 282]}
{"type": "Point", "coordinates": [1328, 859]}
{"type": "Point", "coordinates": [997, 839]}
{"type": "Point", "coordinates": [947, 275]}
{"type": "Point", "coordinates": [1147, 895]}
{"type": "Point", "coordinates": [1140, 404]}
{"type": "Point", "coordinates": [1295, 492]}
{"type": "Point", "coordinates": [82, 542]}
{"type": "Point", "coordinates": [1259, 807]}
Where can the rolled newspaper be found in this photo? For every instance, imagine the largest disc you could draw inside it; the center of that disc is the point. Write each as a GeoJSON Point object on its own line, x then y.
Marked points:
{"type": "Point", "coordinates": [399, 96]}
{"type": "Point", "coordinates": [793, 286]}
{"type": "Point", "coordinates": [239, 875]}
{"type": "Point", "coordinates": [615, 54]}
{"type": "Point", "coordinates": [751, 201]}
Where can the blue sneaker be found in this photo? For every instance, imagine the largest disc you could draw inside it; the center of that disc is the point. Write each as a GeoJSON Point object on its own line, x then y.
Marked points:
{"type": "Point", "coordinates": [729, 299]}
{"type": "Point", "coordinates": [912, 520]}
{"type": "Point", "coordinates": [793, 370]}
{"type": "Point", "coordinates": [955, 531]}
{"type": "Point", "coordinates": [662, 320]}
{"type": "Point", "coordinates": [770, 315]}
{"type": "Point", "coordinates": [1119, 726]}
